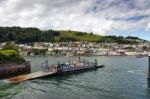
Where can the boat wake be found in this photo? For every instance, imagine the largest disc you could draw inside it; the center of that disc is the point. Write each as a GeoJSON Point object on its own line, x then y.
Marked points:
{"type": "Point", "coordinates": [137, 71]}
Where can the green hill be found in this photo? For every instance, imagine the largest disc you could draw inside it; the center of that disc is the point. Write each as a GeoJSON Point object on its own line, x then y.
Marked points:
{"type": "Point", "coordinates": [29, 35]}
{"type": "Point", "coordinates": [77, 36]}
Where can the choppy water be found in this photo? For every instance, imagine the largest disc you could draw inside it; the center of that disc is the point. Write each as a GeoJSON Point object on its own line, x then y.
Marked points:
{"type": "Point", "coordinates": [122, 78]}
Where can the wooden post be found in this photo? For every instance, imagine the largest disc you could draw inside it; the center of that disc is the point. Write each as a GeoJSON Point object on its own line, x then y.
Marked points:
{"type": "Point", "coordinates": [148, 71]}
{"type": "Point", "coordinates": [27, 67]}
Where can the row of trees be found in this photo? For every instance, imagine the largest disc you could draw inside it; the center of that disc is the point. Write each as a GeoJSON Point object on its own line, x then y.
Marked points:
{"type": "Point", "coordinates": [26, 35]}
{"type": "Point", "coordinates": [119, 39]}
{"type": "Point", "coordinates": [39, 51]}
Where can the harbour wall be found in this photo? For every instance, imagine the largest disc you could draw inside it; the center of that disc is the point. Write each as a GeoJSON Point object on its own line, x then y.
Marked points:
{"type": "Point", "coordinates": [10, 69]}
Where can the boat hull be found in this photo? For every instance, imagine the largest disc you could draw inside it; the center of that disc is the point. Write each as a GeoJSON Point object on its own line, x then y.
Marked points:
{"type": "Point", "coordinates": [79, 70]}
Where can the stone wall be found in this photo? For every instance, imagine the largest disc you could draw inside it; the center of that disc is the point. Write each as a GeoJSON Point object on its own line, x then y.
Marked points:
{"type": "Point", "coordinates": [8, 69]}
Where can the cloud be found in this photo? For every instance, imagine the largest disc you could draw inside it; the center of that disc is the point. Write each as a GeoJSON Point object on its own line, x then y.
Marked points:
{"type": "Point", "coordinates": [148, 27]}
{"type": "Point", "coordinates": [97, 16]}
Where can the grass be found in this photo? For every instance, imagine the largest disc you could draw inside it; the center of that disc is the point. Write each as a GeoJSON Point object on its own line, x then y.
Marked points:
{"type": "Point", "coordinates": [10, 55]}
{"type": "Point", "coordinates": [79, 36]}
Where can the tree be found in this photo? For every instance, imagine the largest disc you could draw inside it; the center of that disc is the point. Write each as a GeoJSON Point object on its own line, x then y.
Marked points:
{"type": "Point", "coordinates": [132, 37]}
{"type": "Point", "coordinates": [144, 47]}
{"type": "Point", "coordinates": [39, 51]}
{"type": "Point", "coordinates": [91, 33]}
{"type": "Point", "coordinates": [10, 46]}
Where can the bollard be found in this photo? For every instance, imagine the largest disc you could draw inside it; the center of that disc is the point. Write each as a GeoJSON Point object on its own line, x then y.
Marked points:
{"type": "Point", "coordinates": [148, 78]}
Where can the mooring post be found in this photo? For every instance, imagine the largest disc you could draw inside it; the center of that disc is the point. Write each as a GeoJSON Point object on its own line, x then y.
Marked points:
{"type": "Point", "coordinates": [148, 71]}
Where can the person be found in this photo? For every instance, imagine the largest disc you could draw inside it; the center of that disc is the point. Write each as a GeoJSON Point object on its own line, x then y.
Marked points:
{"type": "Point", "coordinates": [42, 66]}
{"type": "Point", "coordinates": [95, 62]}
{"type": "Point", "coordinates": [45, 66]}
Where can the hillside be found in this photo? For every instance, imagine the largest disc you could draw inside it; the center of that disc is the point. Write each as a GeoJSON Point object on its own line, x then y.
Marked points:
{"type": "Point", "coordinates": [29, 35]}
{"type": "Point", "coordinates": [77, 36]}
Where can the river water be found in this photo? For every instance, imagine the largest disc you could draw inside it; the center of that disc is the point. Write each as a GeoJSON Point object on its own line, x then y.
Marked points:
{"type": "Point", "coordinates": [121, 78]}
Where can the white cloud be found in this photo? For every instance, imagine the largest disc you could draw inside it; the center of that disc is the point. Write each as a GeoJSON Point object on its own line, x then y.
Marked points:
{"type": "Point", "coordinates": [148, 27]}
{"type": "Point", "coordinates": [98, 16]}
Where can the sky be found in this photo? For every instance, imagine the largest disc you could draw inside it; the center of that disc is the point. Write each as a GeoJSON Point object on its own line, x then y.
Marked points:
{"type": "Point", "coordinates": [103, 17]}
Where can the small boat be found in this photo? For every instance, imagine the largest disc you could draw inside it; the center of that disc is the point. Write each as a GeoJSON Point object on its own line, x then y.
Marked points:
{"type": "Point", "coordinates": [140, 56]}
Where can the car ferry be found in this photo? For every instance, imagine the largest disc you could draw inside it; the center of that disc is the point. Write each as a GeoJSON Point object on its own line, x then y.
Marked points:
{"type": "Point", "coordinates": [57, 69]}
{"type": "Point", "coordinates": [76, 66]}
